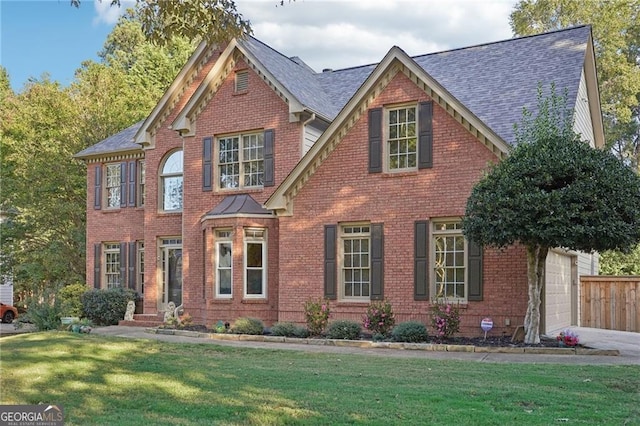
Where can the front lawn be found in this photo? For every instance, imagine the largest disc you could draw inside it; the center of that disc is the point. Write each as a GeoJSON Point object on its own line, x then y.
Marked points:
{"type": "Point", "coordinates": [101, 380]}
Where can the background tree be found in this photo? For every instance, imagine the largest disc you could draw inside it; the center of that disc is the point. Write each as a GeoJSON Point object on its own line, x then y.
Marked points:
{"type": "Point", "coordinates": [616, 33]}
{"type": "Point", "coordinates": [42, 187]}
{"type": "Point", "coordinates": [211, 20]}
{"type": "Point", "coordinates": [553, 191]}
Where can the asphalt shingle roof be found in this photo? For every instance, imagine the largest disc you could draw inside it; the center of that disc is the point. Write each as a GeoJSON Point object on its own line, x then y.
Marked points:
{"type": "Point", "coordinates": [120, 142]}
{"type": "Point", "coordinates": [494, 80]}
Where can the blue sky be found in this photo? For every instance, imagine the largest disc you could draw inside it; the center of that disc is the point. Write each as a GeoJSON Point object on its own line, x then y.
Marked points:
{"type": "Point", "coordinates": [53, 37]}
{"type": "Point", "coordinates": [48, 36]}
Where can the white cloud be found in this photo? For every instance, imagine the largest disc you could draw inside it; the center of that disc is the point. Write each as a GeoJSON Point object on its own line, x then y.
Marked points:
{"type": "Point", "coordinates": [338, 34]}
{"type": "Point", "coordinates": [108, 14]}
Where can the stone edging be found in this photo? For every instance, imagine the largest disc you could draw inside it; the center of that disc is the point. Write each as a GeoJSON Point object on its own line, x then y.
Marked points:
{"type": "Point", "coordinates": [387, 345]}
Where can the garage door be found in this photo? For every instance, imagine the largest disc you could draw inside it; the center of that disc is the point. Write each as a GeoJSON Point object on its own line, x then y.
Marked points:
{"type": "Point", "coordinates": [558, 291]}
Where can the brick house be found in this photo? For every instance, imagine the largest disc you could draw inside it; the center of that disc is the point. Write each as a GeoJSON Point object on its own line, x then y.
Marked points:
{"type": "Point", "coordinates": [257, 184]}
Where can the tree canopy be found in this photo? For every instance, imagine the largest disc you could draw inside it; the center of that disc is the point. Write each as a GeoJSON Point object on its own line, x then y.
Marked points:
{"type": "Point", "coordinates": [43, 188]}
{"type": "Point", "coordinates": [616, 32]}
{"type": "Point", "coordinates": [211, 20]}
{"type": "Point", "coordinates": [553, 190]}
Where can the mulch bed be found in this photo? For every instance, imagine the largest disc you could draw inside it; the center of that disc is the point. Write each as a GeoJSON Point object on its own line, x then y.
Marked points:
{"type": "Point", "coordinates": [491, 341]}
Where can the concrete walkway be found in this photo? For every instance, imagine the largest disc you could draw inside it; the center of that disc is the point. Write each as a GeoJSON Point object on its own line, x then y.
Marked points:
{"type": "Point", "coordinates": [627, 343]}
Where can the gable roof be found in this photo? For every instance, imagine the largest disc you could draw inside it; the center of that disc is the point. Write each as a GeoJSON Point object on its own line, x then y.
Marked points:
{"type": "Point", "coordinates": [118, 143]}
{"type": "Point", "coordinates": [483, 87]}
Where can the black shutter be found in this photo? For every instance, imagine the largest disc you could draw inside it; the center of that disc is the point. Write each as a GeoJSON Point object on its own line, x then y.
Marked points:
{"type": "Point", "coordinates": [97, 192]}
{"type": "Point", "coordinates": [132, 183]}
{"type": "Point", "coordinates": [97, 262]}
{"type": "Point", "coordinates": [421, 260]}
{"type": "Point", "coordinates": [123, 264]}
{"type": "Point", "coordinates": [123, 184]}
{"type": "Point", "coordinates": [474, 271]}
{"type": "Point", "coordinates": [330, 264]}
{"type": "Point", "coordinates": [132, 265]}
{"type": "Point", "coordinates": [207, 164]}
{"type": "Point", "coordinates": [269, 158]}
{"type": "Point", "coordinates": [425, 135]}
{"type": "Point", "coordinates": [377, 261]}
{"type": "Point", "coordinates": [375, 140]}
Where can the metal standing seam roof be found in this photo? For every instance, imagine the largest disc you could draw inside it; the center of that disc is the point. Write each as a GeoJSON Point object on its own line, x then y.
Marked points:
{"type": "Point", "coordinates": [493, 80]}
{"type": "Point", "coordinates": [238, 205]}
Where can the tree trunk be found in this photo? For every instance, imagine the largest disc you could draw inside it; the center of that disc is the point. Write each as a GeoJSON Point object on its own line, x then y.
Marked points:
{"type": "Point", "coordinates": [536, 257]}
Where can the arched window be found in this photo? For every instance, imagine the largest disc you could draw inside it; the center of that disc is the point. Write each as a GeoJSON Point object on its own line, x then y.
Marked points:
{"type": "Point", "coordinates": [171, 178]}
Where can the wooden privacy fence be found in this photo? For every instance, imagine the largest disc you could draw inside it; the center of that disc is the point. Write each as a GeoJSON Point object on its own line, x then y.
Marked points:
{"type": "Point", "coordinates": [610, 302]}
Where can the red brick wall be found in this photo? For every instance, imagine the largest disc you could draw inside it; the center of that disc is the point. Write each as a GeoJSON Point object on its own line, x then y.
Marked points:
{"type": "Point", "coordinates": [257, 109]}
{"type": "Point", "coordinates": [342, 190]}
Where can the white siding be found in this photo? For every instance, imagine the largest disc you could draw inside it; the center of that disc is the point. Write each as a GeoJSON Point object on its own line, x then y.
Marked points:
{"type": "Point", "coordinates": [582, 123]}
{"type": "Point", "coordinates": [6, 294]}
{"type": "Point", "coordinates": [311, 135]}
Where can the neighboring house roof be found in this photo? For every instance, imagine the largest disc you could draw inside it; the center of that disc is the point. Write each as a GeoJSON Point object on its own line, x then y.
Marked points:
{"type": "Point", "coordinates": [237, 205]}
{"type": "Point", "coordinates": [120, 142]}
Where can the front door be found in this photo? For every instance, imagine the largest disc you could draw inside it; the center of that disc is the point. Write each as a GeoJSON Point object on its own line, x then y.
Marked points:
{"type": "Point", "coordinates": [171, 258]}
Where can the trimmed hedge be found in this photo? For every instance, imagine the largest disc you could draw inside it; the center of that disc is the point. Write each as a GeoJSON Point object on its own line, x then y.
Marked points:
{"type": "Point", "coordinates": [106, 306]}
{"type": "Point", "coordinates": [289, 329]}
{"type": "Point", "coordinates": [246, 325]}
{"type": "Point", "coordinates": [410, 332]}
{"type": "Point", "coordinates": [343, 329]}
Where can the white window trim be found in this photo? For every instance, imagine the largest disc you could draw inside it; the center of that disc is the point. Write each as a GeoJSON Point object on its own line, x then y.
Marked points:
{"type": "Point", "coordinates": [385, 145]}
{"type": "Point", "coordinates": [241, 160]}
{"type": "Point", "coordinates": [107, 167]}
{"type": "Point", "coordinates": [341, 283]}
{"type": "Point", "coordinates": [141, 183]}
{"type": "Point", "coordinates": [107, 249]}
{"type": "Point", "coordinates": [163, 176]}
{"type": "Point", "coordinates": [432, 259]}
{"type": "Point", "coordinates": [218, 241]}
{"type": "Point", "coordinates": [263, 240]}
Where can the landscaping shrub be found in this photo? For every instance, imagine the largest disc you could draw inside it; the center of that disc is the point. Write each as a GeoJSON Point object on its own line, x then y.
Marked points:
{"type": "Point", "coordinates": [43, 310]}
{"type": "Point", "coordinates": [344, 329]}
{"type": "Point", "coordinates": [289, 329]}
{"type": "Point", "coordinates": [410, 331]}
{"type": "Point", "coordinates": [70, 301]}
{"type": "Point", "coordinates": [317, 315]}
{"type": "Point", "coordinates": [445, 319]}
{"type": "Point", "coordinates": [106, 306]}
{"type": "Point", "coordinates": [379, 318]}
{"type": "Point", "coordinates": [246, 325]}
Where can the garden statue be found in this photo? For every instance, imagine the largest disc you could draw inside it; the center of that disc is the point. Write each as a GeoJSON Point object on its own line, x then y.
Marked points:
{"type": "Point", "coordinates": [131, 307]}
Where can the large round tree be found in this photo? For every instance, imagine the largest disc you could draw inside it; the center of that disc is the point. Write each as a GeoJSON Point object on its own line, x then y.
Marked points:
{"type": "Point", "coordinates": [553, 190]}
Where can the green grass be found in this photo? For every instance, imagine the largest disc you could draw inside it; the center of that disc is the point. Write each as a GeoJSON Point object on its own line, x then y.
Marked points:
{"type": "Point", "coordinates": [102, 380]}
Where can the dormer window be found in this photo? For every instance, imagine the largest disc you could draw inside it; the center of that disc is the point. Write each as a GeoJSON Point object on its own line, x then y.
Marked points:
{"type": "Point", "coordinates": [242, 81]}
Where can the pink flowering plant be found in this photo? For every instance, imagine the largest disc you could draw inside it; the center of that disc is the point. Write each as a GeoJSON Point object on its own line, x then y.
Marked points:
{"type": "Point", "coordinates": [379, 318]}
{"type": "Point", "coordinates": [568, 338]}
{"type": "Point", "coordinates": [317, 314]}
{"type": "Point", "coordinates": [445, 319]}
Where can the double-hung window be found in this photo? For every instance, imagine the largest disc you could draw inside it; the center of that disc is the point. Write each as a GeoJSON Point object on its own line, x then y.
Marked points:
{"type": "Point", "coordinates": [141, 182]}
{"type": "Point", "coordinates": [224, 263]}
{"type": "Point", "coordinates": [112, 185]}
{"type": "Point", "coordinates": [112, 265]}
{"type": "Point", "coordinates": [255, 256]}
{"type": "Point", "coordinates": [355, 254]}
{"type": "Point", "coordinates": [402, 138]}
{"type": "Point", "coordinates": [449, 251]}
{"type": "Point", "coordinates": [241, 161]}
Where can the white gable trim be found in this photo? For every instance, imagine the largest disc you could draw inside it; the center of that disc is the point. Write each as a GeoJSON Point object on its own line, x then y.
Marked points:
{"type": "Point", "coordinates": [185, 121]}
{"type": "Point", "coordinates": [395, 61]}
{"type": "Point", "coordinates": [593, 94]}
